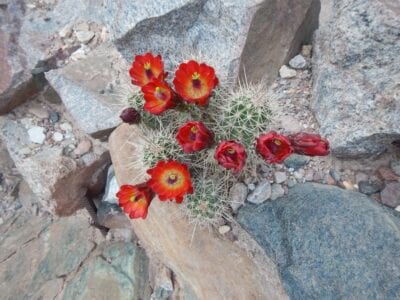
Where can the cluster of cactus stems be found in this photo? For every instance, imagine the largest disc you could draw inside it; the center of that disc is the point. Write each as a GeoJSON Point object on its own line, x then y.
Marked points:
{"type": "Point", "coordinates": [240, 114]}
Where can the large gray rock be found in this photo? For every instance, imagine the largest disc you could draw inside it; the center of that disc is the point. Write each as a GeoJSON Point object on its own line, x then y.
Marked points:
{"type": "Point", "coordinates": [356, 77]}
{"type": "Point", "coordinates": [252, 36]}
{"type": "Point", "coordinates": [329, 243]}
{"type": "Point", "coordinates": [68, 259]}
{"type": "Point", "coordinates": [16, 82]}
{"type": "Point", "coordinates": [92, 89]}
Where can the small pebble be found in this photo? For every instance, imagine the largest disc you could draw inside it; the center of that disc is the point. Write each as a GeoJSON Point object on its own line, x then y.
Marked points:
{"type": "Point", "coordinates": [224, 229]}
{"type": "Point", "coordinates": [66, 126]}
{"type": "Point", "coordinates": [335, 175]}
{"type": "Point", "coordinates": [369, 187]}
{"type": "Point", "coordinates": [397, 208]}
{"type": "Point", "coordinates": [299, 174]}
{"type": "Point", "coordinates": [251, 186]}
{"type": "Point", "coordinates": [387, 174]}
{"type": "Point", "coordinates": [277, 191]}
{"type": "Point", "coordinates": [83, 147]}
{"type": "Point", "coordinates": [390, 195]}
{"type": "Point", "coordinates": [54, 117]}
{"type": "Point", "coordinates": [84, 36]}
{"type": "Point", "coordinates": [306, 50]}
{"type": "Point", "coordinates": [298, 62]}
{"type": "Point", "coordinates": [330, 180]}
{"type": "Point", "coordinates": [285, 72]}
{"type": "Point", "coordinates": [39, 112]}
{"type": "Point", "coordinates": [261, 193]}
{"type": "Point", "coordinates": [348, 185]}
{"type": "Point", "coordinates": [65, 32]}
{"type": "Point", "coordinates": [37, 135]}
{"type": "Point", "coordinates": [309, 176]}
{"type": "Point", "coordinates": [237, 194]}
{"type": "Point", "coordinates": [395, 166]}
{"type": "Point", "coordinates": [291, 182]}
{"type": "Point", "coordinates": [280, 177]}
{"type": "Point", "coordinates": [57, 137]}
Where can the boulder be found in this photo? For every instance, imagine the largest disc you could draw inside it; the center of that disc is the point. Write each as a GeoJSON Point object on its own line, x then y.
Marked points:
{"type": "Point", "coordinates": [93, 89]}
{"type": "Point", "coordinates": [16, 81]}
{"type": "Point", "coordinates": [356, 76]}
{"type": "Point", "coordinates": [328, 242]}
{"type": "Point", "coordinates": [68, 259]}
{"type": "Point", "coordinates": [210, 265]}
{"type": "Point", "coordinates": [61, 182]}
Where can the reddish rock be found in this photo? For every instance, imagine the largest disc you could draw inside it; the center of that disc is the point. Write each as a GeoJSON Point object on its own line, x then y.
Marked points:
{"type": "Point", "coordinates": [390, 195]}
{"type": "Point", "coordinates": [387, 174]}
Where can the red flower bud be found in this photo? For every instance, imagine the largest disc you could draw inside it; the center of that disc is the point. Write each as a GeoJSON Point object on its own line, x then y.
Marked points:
{"type": "Point", "coordinates": [130, 115]}
{"type": "Point", "coordinates": [273, 147]}
{"type": "Point", "coordinates": [135, 200]}
{"type": "Point", "coordinates": [309, 144]}
{"type": "Point", "coordinates": [231, 155]}
{"type": "Point", "coordinates": [194, 136]}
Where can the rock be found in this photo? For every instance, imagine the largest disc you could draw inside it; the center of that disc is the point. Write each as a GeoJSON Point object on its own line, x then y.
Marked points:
{"type": "Point", "coordinates": [54, 117]}
{"type": "Point", "coordinates": [335, 175]}
{"type": "Point", "coordinates": [309, 176]}
{"type": "Point", "coordinates": [109, 214]}
{"type": "Point", "coordinates": [397, 208]}
{"type": "Point", "coordinates": [285, 72]}
{"type": "Point", "coordinates": [298, 62]}
{"type": "Point", "coordinates": [83, 147]}
{"type": "Point", "coordinates": [280, 177]}
{"type": "Point", "coordinates": [16, 81]}
{"type": "Point", "coordinates": [173, 241]}
{"type": "Point", "coordinates": [306, 50]}
{"type": "Point", "coordinates": [361, 177]}
{"type": "Point", "coordinates": [299, 174]}
{"type": "Point", "coordinates": [277, 191]}
{"type": "Point", "coordinates": [84, 36]}
{"type": "Point", "coordinates": [36, 135]}
{"type": "Point", "coordinates": [291, 182]}
{"type": "Point", "coordinates": [369, 187]}
{"type": "Point", "coordinates": [351, 70]}
{"type": "Point", "coordinates": [261, 193]}
{"type": "Point", "coordinates": [60, 182]}
{"type": "Point", "coordinates": [238, 195]}
{"type": "Point", "coordinates": [296, 161]}
{"type": "Point", "coordinates": [79, 54]}
{"type": "Point", "coordinates": [318, 230]}
{"type": "Point", "coordinates": [36, 255]}
{"type": "Point", "coordinates": [390, 195]}
{"type": "Point", "coordinates": [387, 174]}
{"type": "Point", "coordinates": [65, 32]}
{"type": "Point", "coordinates": [251, 186]}
{"type": "Point", "coordinates": [224, 229]}
{"type": "Point", "coordinates": [95, 113]}
{"type": "Point", "coordinates": [348, 185]}
{"type": "Point", "coordinates": [67, 127]}
{"type": "Point", "coordinates": [120, 271]}
{"type": "Point", "coordinates": [163, 287]}
{"type": "Point", "coordinates": [395, 166]}
{"type": "Point", "coordinates": [58, 137]}
{"type": "Point", "coordinates": [39, 111]}
{"type": "Point", "coordinates": [212, 26]}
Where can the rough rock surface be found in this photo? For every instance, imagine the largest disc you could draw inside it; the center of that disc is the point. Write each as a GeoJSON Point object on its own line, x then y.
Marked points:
{"type": "Point", "coordinates": [199, 256]}
{"type": "Point", "coordinates": [356, 77]}
{"type": "Point", "coordinates": [16, 81]}
{"type": "Point", "coordinates": [329, 242]}
{"type": "Point", "coordinates": [92, 89]}
{"type": "Point", "coordinates": [59, 181]}
{"type": "Point", "coordinates": [67, 259]}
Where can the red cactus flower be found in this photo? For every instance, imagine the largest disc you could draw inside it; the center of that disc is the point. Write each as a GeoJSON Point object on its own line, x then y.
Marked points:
{"type": "Point", "coordinates": [273, 147]}
{"type": "Point", "coordinates": [309, 144]}
{"type": "Point", "coordinates": [158, 96]}
{"type": "Point", "coordinates": [135, 200]}
{"type": "Point", "coordinates": [145, 68]}
{"type": "Point", "coordinates": [194, 82]}
{"type": "Point", "coordinates": [170, 180]}
{"type": "Point", "coordinates": [231, 155]}
{"type": "Point", "coordinates": [194, 136]}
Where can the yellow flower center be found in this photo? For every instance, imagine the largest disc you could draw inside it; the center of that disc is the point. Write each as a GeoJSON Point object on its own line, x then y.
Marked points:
{"type": "Point", "coordinates": [194, 129]}
{"type": "Point", "coordinates": [195, 76]}
{"type": "Point", "coordinates": [277, 142]}
{"type": "Point", "coordinates": [147, 66]}
{"type": "Point", "coordinates": [230, 151]}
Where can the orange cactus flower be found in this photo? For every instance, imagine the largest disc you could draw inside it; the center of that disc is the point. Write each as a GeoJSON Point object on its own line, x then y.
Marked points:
{"type": "Point", "coordinates": [158, 96]}
{"type": "Point", "coordinates": [170, 180]}
{"type": "Point", "coordinates": [135, 199]}
{"type": "Point", "coordinates": [145, 68]}
{"type": "Point", "coordinates": [194, 136]}
{"type": "Point", "coordinates": [273, 147]}
{"type": "Point", "coordinates": [194, 82]}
